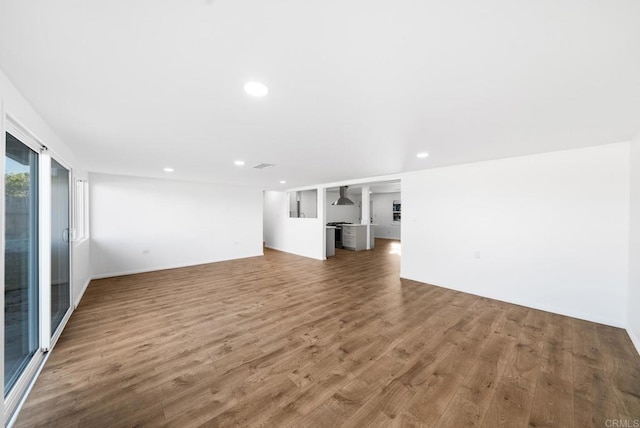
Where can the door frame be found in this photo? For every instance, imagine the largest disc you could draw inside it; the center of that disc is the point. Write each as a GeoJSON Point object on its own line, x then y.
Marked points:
{"type": "Point", "coordinates": [9, 124]}
{"type": "Point", "coordinates": [12, 400]}
{"type": "Point", "coordinates": [53, 337]}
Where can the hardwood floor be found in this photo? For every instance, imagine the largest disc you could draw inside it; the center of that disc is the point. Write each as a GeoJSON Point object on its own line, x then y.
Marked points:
{"type": "Point", "coordinates": [281, 340]}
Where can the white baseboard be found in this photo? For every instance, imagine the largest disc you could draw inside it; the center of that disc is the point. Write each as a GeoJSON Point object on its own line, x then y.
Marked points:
{"type": "Point", "coordinates": [634, 339]}
{"type": "Point", "coordinates": [16, 412]}
{"type": "Point", "coordinates": [84, 288]}
{"type": "Point", "coordinates": [166, 267]}
{"type": "Point", "coordinates": [291, 252]}
{"type": "Point", "coordinates": [541, 307]}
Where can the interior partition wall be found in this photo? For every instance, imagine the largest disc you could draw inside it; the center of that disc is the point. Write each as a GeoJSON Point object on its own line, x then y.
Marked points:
{"type": "Point", "coordinates": [37, 257]}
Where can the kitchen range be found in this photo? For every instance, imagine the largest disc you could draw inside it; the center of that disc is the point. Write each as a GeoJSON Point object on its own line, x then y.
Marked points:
{"type": "Point", "coordinates": [338, 226]}
{"type": "Point", "coordinates": [348, 236]}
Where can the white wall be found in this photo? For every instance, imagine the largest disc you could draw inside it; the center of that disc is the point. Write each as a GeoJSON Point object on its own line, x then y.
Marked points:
{"type": "Point", "coordinates": [14, 104]}
{"type": "Point", "coordinates": [348, 213]}
{"type": "Point", "coordinates": [142, 224]}
{"type": "Point", "coordinates": [301, 236]}
{"type": "Point", "coordinates": [81, 269]}
{"type": "Point", "coordinates": [633, 327]}
{"type": "Point", "coordinates": [383, 216]}
{"type": "Point", "coordinates": [551, 231]}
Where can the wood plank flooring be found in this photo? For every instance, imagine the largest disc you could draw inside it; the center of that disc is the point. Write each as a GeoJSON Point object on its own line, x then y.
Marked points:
{"type": "Point", "coordinates": [281, 341]}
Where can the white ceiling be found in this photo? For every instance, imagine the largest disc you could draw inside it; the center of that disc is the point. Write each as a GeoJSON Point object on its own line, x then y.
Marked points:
{"type": "Point", "coordinates": [357, 87]}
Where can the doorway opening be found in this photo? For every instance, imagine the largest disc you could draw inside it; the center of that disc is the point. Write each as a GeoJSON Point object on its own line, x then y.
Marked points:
{"type": "Point", "coordinates": [375, 213]}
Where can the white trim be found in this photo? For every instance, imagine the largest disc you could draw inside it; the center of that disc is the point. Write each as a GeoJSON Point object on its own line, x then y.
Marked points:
{"type": "Point", "coordinates": [63, 323]}
{"type": "Point", "coordinates": [54, 337]}
{"type": "Point", "coordinates": [80, 242]}
{"type": "Point", "coordinates": [166, 267]}
{"type": "Point", "coordinates": [45, 357]}
{"type": "Point", "coordinates": [84, 288]}
{"type": "Point", "coordinates": [27, 391]}
{"type": "Point", "coordinates": [23, 385]}
{"type": "Point", "coordinates": [27, 377]}
{"type": "Point", "coordinates": [295, 254]}
{"type": "Point", "coordinates": [44, 242]}
{"type": "Point", "coordinates": [634, 339]}
{"type": "Point", "coordinates": [18, 129]}
{"type": "Point", "coordinates": [36, 374]}
{"type": "Point", "coordinates": [79, 209]}
{"type": "Point", "coordinates": [21, 132]}
{"type": "Point", "coordinates": [545, 308]}
{"type": "Point", "coordinates": [62, 163]}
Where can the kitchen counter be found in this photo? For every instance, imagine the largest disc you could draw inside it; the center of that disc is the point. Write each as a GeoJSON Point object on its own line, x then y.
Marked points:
{"type": "Point", "coordinates": [354, 236]}
{"type": "Point", "coordinates": [330, 244]}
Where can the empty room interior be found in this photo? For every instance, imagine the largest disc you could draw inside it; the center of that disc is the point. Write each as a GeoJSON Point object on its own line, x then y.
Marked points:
{"type": "Point", "coordinates": [320, 214]}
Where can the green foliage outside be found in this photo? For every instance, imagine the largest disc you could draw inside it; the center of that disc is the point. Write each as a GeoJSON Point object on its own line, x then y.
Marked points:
{"type": "Point", "coordinates": [17, 184]}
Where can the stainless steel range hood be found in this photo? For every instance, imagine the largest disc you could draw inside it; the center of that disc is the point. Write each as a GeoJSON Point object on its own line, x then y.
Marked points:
{"type": "Point", "coordinates": [343, 200]}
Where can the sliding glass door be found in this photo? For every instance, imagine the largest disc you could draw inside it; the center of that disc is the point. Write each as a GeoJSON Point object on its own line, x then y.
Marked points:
{"type": "Point", "coordinates": [37, 257]}
{"type": "Point", "coordinates": [60, 256]}
{"type": "Point", "coordinates": [21, 297]}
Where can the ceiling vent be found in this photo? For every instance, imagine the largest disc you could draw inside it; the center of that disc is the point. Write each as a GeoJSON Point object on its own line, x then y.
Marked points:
{"type": "Point", "coordinates": [263, 165]}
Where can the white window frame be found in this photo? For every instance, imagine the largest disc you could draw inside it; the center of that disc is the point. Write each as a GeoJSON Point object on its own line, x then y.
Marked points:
{"type": "Point", "coordinates": [80, 210]}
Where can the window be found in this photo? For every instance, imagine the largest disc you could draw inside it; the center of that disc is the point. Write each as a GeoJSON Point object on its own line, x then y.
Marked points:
{"type": "Point", "coordinates": [397, 211]}
{"type": "Point", "coordinates": [303, 204]}
{"type": "Point", "coordinates": [80, 211]}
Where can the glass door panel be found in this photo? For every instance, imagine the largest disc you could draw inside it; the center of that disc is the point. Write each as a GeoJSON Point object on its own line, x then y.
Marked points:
{"type": "Point", "coordinates": [21, 324]}
{"type": "Point", "coordinates": [60, 257]}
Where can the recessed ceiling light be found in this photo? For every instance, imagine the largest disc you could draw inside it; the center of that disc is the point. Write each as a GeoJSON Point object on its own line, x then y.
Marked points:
{"type": "Point", "coordinates": [283, 182]}
{"type": "Point", "coordinates": [167, 169]}
{"type": "Point", "coordinates": [256, 89]}
{"type": "Point", "coordinates": [239, 162]}
{"type": "Point", "coordinates": [423, 155]}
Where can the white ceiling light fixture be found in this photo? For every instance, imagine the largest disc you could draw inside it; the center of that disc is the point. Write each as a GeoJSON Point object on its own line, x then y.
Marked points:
{"type": "Point", "coordinates": [422, 155]}
{"type": "Point", "coordinates": [283, 182]}
{"type": "Point", "coordinates": [256, 89]}
{"type": "Point", "coordinates": [239, 163]}
{"type": "Point", "coordinates": [167, 169]}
